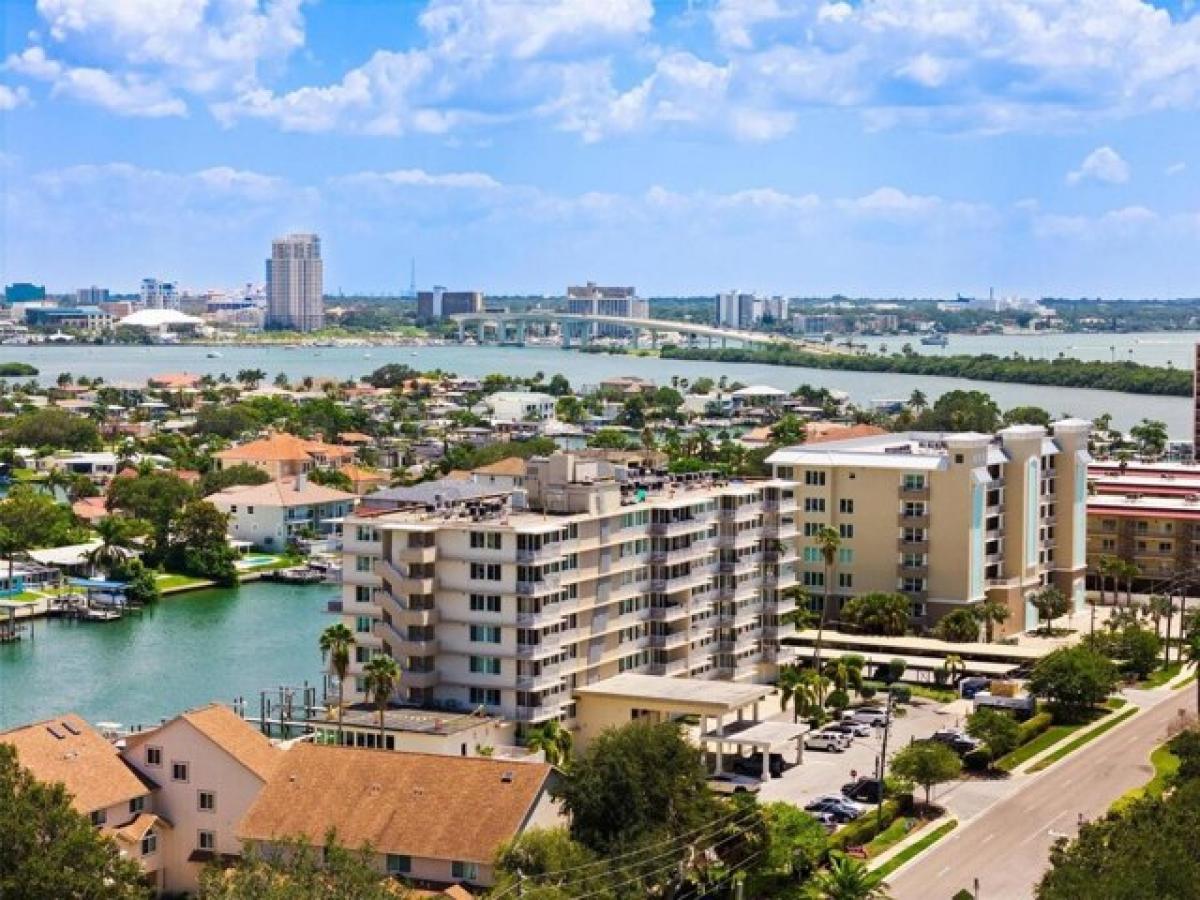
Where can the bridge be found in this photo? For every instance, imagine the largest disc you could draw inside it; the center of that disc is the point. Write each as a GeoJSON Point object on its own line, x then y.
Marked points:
{"type": "Point", "coordinates": [510, 327]}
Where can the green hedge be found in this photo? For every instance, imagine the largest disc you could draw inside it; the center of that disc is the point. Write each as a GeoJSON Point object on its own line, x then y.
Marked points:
{"type": "Point", "coordinates": [865, 828]}
{"type": "Point", "coordinates": [977, 760]}
{"type": "Point", "coordinates": [1033, 726]}
{"type": "Point", "coordinates": [901, 693]}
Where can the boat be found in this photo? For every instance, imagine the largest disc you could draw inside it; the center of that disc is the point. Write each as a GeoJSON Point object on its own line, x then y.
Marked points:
{"type": "Point", "coordinates": [935, 340]}
{"type": "Point", "coordinates": [213, 354]}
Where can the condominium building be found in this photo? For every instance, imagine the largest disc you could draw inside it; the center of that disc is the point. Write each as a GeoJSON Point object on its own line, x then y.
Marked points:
{"type": "Point", "coordinates": [439, 303]}
{"type": "Point", "coordinates": [507, 600]}
{"type": "Point", "coordinates": [738, 310]}
{"type": "Point", "coordinates": [157, 294]}
{"type": "Point", "coordinates": [1147, 514]}
{"type": "Point", "coordinates": [295, 285]}
{"type": "Point", "coordinates": [948, 519]}
{"type": "Point", "coordinates": [592, 299]}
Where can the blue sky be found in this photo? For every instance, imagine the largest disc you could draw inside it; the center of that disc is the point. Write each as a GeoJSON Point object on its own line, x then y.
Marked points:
{"type": "Point", "coordinates": [875, 147]}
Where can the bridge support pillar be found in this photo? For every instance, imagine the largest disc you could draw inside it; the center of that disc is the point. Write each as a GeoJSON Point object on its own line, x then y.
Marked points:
{"type": "Point", "coordinates": [462, 331]}
{"type": "Point", "coordinates": [654, 339]}
{"type": "Point", "coordinates": [521, 333]}
{"type": "Point", "coordinates": [635, 335]}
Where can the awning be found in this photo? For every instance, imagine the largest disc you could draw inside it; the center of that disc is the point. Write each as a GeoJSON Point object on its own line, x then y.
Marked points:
{"type": "Point", "coordinates": [97, 584]}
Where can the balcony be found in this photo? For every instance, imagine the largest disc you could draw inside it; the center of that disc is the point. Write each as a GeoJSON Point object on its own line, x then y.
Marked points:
{"type": "Point", "coordinates": [549, 615]}
{"type": "Point", "coordinates": [671, 667]}
{"type": "Point", "coordinates": [668, 613]}
{"type": "Point", "coordinates": [912, 546]}
{"type": "Point", "coordinates": [535, 713]}
{"type": "Point", "coordinates": [549, 677]}
{"type": "Point", "coordinates": [415, 555]}
{"type": "Point", "coordinates": [670, 640]}
{"type": "Point", "coordinates": [914, 571]}
{"type": "Point", "coordinates": [550, 581]}
{"type": "Point", "coordinates": [545, 553]}
{"type": "Point", "coordinates": [408, 646]}
{"type": "Point", "coordinates": [680, 526]}
{"type": "Point", "coordinates": [406, 584]}
{"type": "Point", "coordinates": [913, 520]}
{"type": "Point", "coordinates": [549, 643]}
{"type": "Point", "coordinates": [418, 679]}
{"type": "Point", "coordinates": [914, 494]}
{"type": "Point", "coordinates": [784, 505]}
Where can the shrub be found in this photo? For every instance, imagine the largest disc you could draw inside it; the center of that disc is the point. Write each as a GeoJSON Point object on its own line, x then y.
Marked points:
{"type": "Point", "coordinates": [837, 700]}
{"type": "Point", "coordinates": [874, 686]}
{"type": "Point", "coordinates": [1032, 727]}
{"type": "Point", "coordinates": [977, 760]}
{"type": "Point", "coordinates": [868, 690]}
{"type": "Point", "coordinates": [864, 829]}
{"type": "Point", "coordinates": [901, 693]}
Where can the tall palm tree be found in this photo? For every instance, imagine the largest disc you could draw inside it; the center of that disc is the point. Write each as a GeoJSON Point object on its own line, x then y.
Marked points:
{"type": "Point", "coordinates": [1104, 568]}
{"type": "Point", "coordinates": [991, 613]}
{"type": "Point", "coordinates": [1156, 608]}
{"type": "Point", "coordinates": [553, 740]}
{"type": "Point", "coordinates": [336, 641]}
{"type": "Point", "coordinates": [1191, 653]}
{"type": "Point", "coordinates": [954, 666]}
{"type": "Point", "coordinates": [117, 534]}
{"type": "Point", "coordinates": [1129, 570]}
{"type": "Point", "coordinates": [791, 683]}
{"type": "Point", "coordinates": [847, 879]}
{"type": "Point", "coordinates": [828, 541]}
{"type": "Point", "coordinates": [381, 675]}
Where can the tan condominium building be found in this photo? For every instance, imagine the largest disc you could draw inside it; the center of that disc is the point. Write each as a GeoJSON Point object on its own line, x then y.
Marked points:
{"type": "Point", "coordinates": [949, 519]}
{"type": "Point", "coordinates": [509, 599]}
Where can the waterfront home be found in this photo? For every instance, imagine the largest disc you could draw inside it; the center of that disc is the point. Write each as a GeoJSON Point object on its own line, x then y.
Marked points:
{"type": "Point", "coordinates": [516, 406]}
{"type": "Point", "coordinates": [273, 515]}
{"type": "Point", "coordinates": [103, 787]}
{"type": "Point", "coordinates": [281, 455]}
{"type": "Point", "coordinates": [431, 820]}
{"type": "Point", "coordinates": [209, 765]}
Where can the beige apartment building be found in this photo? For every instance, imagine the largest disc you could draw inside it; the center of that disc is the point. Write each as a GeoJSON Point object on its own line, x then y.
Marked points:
{"type": "Point", "coordinates": [947, 519]}
{"type": "Point", "coordinates": [508, 600]}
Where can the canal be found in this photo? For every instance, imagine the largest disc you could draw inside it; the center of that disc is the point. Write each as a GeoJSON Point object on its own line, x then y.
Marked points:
{"type": "Point", "coordinates": [186, 650]}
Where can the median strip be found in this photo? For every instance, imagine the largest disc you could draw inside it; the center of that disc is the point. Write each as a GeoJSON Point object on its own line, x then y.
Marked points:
{"type": "Point", "coordinates": [916, 848]}
{"type": "Point", "coordinates": [1081, 740]}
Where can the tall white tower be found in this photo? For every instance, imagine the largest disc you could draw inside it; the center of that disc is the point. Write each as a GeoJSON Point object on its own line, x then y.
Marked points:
{"type": "Point", "coordinates": [295, 284]}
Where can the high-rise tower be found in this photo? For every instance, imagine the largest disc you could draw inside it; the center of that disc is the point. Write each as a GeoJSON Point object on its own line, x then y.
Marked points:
{"type": "Point", "coordinates": [295, 286]}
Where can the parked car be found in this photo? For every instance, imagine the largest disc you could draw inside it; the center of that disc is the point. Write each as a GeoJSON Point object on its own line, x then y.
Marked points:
{"type": "Point", "coordinates": [825, 819]}
{"type": "Point", "coordinates": [958, 741]}
{"type": "Point", "coordinates": [852, 728]}
{"type": "Point", "coordinates": [733, 783]}
{"type": "Point", "coordinates": [871, 716]}
{"type": "Point", "coordinates": [840, 810]}
{"type": "Point", "coordinates": [828, 741]}
{"type": "Point", "coordinates": [863, 790]}
{"type": "Point", "coordinates": [753, 765]}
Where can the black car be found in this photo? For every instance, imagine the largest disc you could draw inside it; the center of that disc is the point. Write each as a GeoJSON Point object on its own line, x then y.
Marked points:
{"type": "Point", "coordinates": [753, 765]}
{"type": "Point", "coordinates": [956, 741]}
{"type": "Point", "coordinates": [864, 790]}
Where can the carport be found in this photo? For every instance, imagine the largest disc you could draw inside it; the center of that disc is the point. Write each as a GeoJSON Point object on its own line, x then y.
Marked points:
{"type": "Point", "coordinates": [728, 712]}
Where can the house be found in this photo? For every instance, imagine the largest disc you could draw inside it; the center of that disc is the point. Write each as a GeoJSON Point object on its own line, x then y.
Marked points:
{"type": "Point", "coordinates": [502, 474]}
{"type": "Point", "coordinates": [517, 406]}
{"type": "Point", "coordinates": [273, 515]}
{"type": "Point", "coordinates": [281, 455]}
{"type": "Point", "coordinates": [174, 381]}
{"type": "Point", "coordinates": [209, 765]}
{"type": "Point", "coordinates": [364, 480]}
{"type": "Point", "coordinates": [118, 800]}
{"type": "Point", "coordinates": [433, 820]}
{"type": "Point", "coordinates": [90, 509]}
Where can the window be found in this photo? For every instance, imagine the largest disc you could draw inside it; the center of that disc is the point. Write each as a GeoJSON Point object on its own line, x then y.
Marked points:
{"type": "Point", "coordinates": [362, 594]}
{"type": "Point", "coordinates": [249, 510]}
{"type": "Point", "coordinates": [814, 504]}
{"type": "Point", "coordinates": [179, 771]}
{"type": "Point", "coordinates": [206, 840]}
{"type": "Point", "coordinates": [845, 555]}
{"type": "Point", "coordinates": [845, 580]}
{"type": "Point", "coordinates": [366, 533]}
{"type": "Point", "coordinates": [362, 624]}
{"type": "Point", "coordinates": [814, 478]}
{"type": "Point", "coordinates": [485, 571]}
{"type": "Point", "coordinates": [485, 696]}
{"type": "Point", "coordinates": [812, 554]}
{"type": "Point", "coordinates": [464, 871]}
{"type": "Point", "coordinates": [362, 564]}
{"type": "Point", "coordinates": [206, 801]}
{"type": "Point", "coordinates": [154, 756]}
{"type": "Point", "coordinates": [846, 507]}
{"type": "Point", "coordinates": [487, 634]}
{"type": "Point", "coordinates": [136, 805]}
{"type": "Point", "coordinates": [916, 482]}
{"type": "Point", "coordinates": [485, 539]}
{"type": "Point", "coordinates": [814, 579]}
{"type": "Point", "coordinates": [485, 665]}
{"type": "Point", "coordinates": [99, 817]}
{"type": "Point", "coordinates": [485, 603]}
{"type": "Point", "coordinates": [149, 843]}
{"type": "Point", "coordinates": [811, 529]}
{"type": "Point", "coordinates": [846, 530]}
{"type": "Point", "coordinates": [398, 865]}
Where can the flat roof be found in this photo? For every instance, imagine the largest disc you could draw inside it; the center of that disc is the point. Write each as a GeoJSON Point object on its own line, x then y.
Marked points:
{"type": "Point", "coordinates": [970, 665]}
{"type": "Point", "coordinates": [759, 734]}
{"type": "Point", "coordinates": [933, 645]}
{"type": "Point", "coordinates": [698, 692]}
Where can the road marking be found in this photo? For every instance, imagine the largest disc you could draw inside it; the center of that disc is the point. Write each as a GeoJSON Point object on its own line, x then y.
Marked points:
{"type": "Point", "coordinates": [989, 837]}
{"type": "Point", "coordinates": [1067, 783]}
{"type": "Point", "coordinates": [942, 873]}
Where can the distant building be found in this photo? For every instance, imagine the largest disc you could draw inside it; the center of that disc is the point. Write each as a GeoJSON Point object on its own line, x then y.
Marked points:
{"type": "Point", "coordinates": [592, 299]}
{"type": "Point", "coordinates": [439, 303]}
{"type": "Point", "coordinates": [159, 294]}
{"type": "Point", "coordinates": [79, 318]}
{"type": "Point", "coordinates": [738, 310]}
{"type": "Point", "coordinates": [295, 284]}
{"type": "Point", "coordinates": [91, 296]}
{"type": "Point", "coordinates": [24, 292]}
{"type": "Point", "coordinates": [273, 515]}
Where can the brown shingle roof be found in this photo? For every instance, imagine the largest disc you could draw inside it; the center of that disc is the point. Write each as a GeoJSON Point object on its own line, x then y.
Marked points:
{"type": "Point", "coordinates": [437, 807]}
{"type": "Point", "coordinates": [229, 731]}
{"type": "Point", "coordinates": [67, 749]}
{"type": "Point", "coordinates": [282, 493]}
{"type": "Point", "coordinates": [512, 465]}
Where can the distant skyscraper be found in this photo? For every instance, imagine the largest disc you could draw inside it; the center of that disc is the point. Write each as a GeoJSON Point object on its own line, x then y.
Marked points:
{"type": "Point", "coordinates": [738, 310]}
{"type": "Point", "coordinates": [592, 299]}
{"type": "Point", "coordinates": [91, 296]}
{"type": "Point", "coordinates": [295, 285]}
{"type": "Point", "coordinates": [439, 303]}
{"type": "Point", "coordinates": [159, 294]}
{"type": "Point", "coordinates": [24, 292]}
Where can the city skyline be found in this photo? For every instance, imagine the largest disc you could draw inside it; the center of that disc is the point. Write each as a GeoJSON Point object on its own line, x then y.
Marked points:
{"type": "Point", "coordinates": [797, 148]}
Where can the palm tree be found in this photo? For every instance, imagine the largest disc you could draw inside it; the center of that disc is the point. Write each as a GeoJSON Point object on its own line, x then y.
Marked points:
{"type": "Point", "coordinates": [1191, 652]}
{"type": "Point", "coordinates": [116, 541]}
{"type": "Point", "coordinates": [553, 740]}
{"type": "Point", "coordinates": [1156, 607]}
{"type": "Point", "coordinates": [1129, 570]}
{"type": "Point", "coordinates": [381, 675]}
{"type": "Point", "coordinates": [828, 541]}
{"type": "Point", "coordinates": [336, 641]}
{"type": "Point", "coordinates": [800, 687]}
{"type": "Point", "coordinates": [954, 666]}
{"type": "Point", "coordinates": [991, 613]}
{"type": "Point", "coordinates": [847, 879]}
{"type": "Point", "coordinates": [56, 478]}
{"type": "Point", "coordinates": [917, 400]}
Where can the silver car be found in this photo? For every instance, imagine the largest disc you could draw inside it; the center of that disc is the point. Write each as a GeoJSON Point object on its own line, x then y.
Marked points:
{"type": "Point", "coordinates": [732, 783]}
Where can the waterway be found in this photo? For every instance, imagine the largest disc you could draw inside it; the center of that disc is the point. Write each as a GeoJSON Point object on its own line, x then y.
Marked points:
{"type": "Point", "coordinates": [117, 364]}
{"type": "Point", "coordinates": [186, 650]}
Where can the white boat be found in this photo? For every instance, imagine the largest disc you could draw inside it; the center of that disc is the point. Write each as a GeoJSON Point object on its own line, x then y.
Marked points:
{"type": "Point", "coordinates": [213, 354]}
{"type": "Point", "coordinates": [935, 340]}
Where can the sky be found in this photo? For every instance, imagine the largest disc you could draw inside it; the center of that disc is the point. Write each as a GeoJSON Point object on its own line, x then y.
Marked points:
{"type": "Point", "coordinates": [884, 148]}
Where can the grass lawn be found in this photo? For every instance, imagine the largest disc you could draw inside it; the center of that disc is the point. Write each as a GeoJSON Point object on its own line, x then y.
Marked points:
{"type": "Point", "coordinates": [900, 828]}
{"type": "Point", "coordinates": [27, 475]}
{"type": "Point", "coordinates": [1161, 677]}
{"type": "Point", "coordinates": [1115, 702]}
{"type": "Point", "coordinates": [1165, 765]}
{"type": "Point", "coordinates": [1043, 741]}
{"type": "Point", "coordinates": [174, 582]}
{"type": "Point", "coordinates": [1186, 681]}
{"type": "Point", "coordinates": [1082, 739]}
{"type": "Point", "coordinates": [916, 848]}
{"type": "Point", "coordinates": [941, 695]}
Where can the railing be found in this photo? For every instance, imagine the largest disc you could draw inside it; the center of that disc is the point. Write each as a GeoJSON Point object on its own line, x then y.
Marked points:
{"type": "Point", "coordinates": [550, 581]}
{"type": "Point", "coordinates": [671, 667]}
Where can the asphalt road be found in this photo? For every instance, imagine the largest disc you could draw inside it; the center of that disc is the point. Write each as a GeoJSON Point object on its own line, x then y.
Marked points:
{"type": "Point", "coordinates": [1007, 846]}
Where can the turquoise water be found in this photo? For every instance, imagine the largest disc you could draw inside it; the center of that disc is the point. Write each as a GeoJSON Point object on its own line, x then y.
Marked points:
{"type": "Point", "coordinates": [184, 651]}
{"type": "Point", "coordinates": [119, 364]}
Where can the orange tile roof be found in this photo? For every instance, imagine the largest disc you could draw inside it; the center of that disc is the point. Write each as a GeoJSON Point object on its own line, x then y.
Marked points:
{"type": "Point", "coordinates": [283, 446]}
{"type": "Point", "coordinates": [90, 509]}
{"type": "Point", "coordinates": [69, 750]}
{"type": "Point", "coordinates": [436, 807]}
{"type": "Point", "coordinates": [817, 432]}
{"type": "Point", "coordinates": [173, 380]}
{"type": "Point", "coordinates": [229, 731]}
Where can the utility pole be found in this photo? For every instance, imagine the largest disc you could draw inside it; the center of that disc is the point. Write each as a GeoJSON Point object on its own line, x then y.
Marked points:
{"type": "Point", "coordinates": [887, 727]}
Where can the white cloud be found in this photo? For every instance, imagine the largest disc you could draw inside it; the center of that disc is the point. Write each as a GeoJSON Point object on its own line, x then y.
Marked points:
{"type": "Point", "coordinates": [1175, 168]}
{"type": "Point", "coordinates": [11, 98]}
{"type": "Point", "coordinates": [1104, 165]}
{"type": "Point", "coordinates": [421, 178]}
{"type": "Point", "coordinates": [124, 94]}
{"type": "Point", "coordinates": [34, 63]}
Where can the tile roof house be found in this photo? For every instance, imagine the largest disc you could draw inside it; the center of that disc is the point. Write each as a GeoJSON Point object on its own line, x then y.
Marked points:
{"type": "Point", "coordinates": [272, 515]}
{"type": "Point", "coordinates": [436, 820]}
{"type": "Point", "coordinates": [282, 454]}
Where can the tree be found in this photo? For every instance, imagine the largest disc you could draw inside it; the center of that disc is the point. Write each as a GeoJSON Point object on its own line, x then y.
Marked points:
{"type": "Point", "coordinates": [878, 613]}
{"type": "Point", "coordinates": [997, 729]}
{"type": "Point", "coordinates": [796, 841]}
{"type": "Point", "coordinates": [927, 763]}
{"type": "Point", "coordinates": [1027, 415]}
{"type": "Point", "coordinates": [141, 585]}
{"type": "Point", "coordinates": [959, 626]}
{"type": "Point", "coordinates": [294, 870]}
{"type": "Point", "coordinates": [1151, 437]}
{"type": "Point", "coordinates": [393, 375]}
{"type": "Point", "coordinates": [638, 782]}
{"type": "Point", "coordinates": [1127, 570]}
{"type": "Point", "coordinates": [242, 473]}
{"type": "Point", "coordinates": [157, 497]}
{"type": "Point", "coordinates": [1139, 649]}
{"type": "Point", "coordinates": [1159, 607]}
{"type": "Point", "coordinates": [380, 677]}
{"type": "Point", "coordinates": [1191, 653]}
{"type": "Point", "coordinates": [199, 544]}
{"type": "Point", "coordinates": [49, 851]}
{"type": "Point", "coordinates": [52, 426]}
{"type": "Point", "coordinates": [1073, 680]}
{"type": "Point", "coordinates": [991, 613]}
{"type": "Point", "coordinates": [788, 431]}
{"type": "Point", "coordinates": [332, 478]}
{"type": "Point", "coordinates": [961, 411]}
{"type": "Point", "coordinates": [226, 420]}
{"type": "Point", "coordinates": [251, 378]}
{"type": "Point", "coordinates": [954, 667]}
{"type": "Point", "coordinates": [1050, 603]}
{"type": "Point", "coordinates": [828, 540]}
{"type": "Point", "coordinates": [117, 535]}
{"type": "Point", "coordinates": [538, 852]}
{"type": "Point", "coordinates": [553, 740]}
{"type": "Point", "coordinates": [558, 386]}
{"type": "Point", "coordinates": [336, 642]}
{"type": "Point", "coordinates": [847, 879]}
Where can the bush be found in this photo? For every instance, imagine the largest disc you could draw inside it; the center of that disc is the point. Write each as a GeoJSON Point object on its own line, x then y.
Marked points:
{"type": "Point", "coordinates": [1032, 727]}
{"type": "Point", "coordinates": [868, 690]}
{"type": "Point", "coordinates": [873, 686]}
{"type": "Point", "coordinates": [837, 700]}
{"type": "Point", "coordinates": [977, 760]}
{"type": "Point", "coordinates": [901, 693]}
{"type": "Point", "coordinates": [864, 829]}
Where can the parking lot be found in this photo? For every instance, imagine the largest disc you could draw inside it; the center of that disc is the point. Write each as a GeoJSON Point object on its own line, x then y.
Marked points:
{"type": "Point", "coordinates": [825, 773]}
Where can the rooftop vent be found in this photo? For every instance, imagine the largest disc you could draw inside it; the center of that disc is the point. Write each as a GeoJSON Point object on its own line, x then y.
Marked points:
{"type": "Point", "coordinates": [507, 777]}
